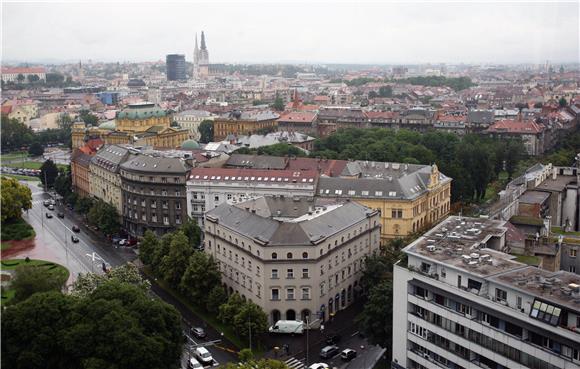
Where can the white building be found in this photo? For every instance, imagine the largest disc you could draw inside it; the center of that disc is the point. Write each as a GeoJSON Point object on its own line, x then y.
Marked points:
{"type": "Point", "coordinates": [207, 188]}
{"type": "Point", "coordinates": [191, 119]}
{"type": "Point", "coordinates": [460, 302]}
{"type": "Point", "coordinates": [292, 257]}
{"type": "Point", "coordinates": [11, 74]}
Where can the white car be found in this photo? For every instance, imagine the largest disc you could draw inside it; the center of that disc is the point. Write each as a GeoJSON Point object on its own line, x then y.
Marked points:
{"type": "Point", "coordinates": [319, 366]}
{"type": "Point", "coordinates": [194, 364]}
{"type": "Point", "coordinates": [203, 355]}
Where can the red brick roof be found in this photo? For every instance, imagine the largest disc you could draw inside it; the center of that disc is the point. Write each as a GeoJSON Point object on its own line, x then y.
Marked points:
{"type": "Point", "coordinates": [298, 117]}
{"type": "Point", "coordinates": [8, 70]}
{"type": "Point", "coordinates": [7, 109]}
{"type": "Point", "coordinates": [382, 114]}
{"type": "Point", "coordinates": [515, 126]}
{"type": "Point", "coordinates": [253, 175]}
{"type": "Point", "coordinates": [330, 168]}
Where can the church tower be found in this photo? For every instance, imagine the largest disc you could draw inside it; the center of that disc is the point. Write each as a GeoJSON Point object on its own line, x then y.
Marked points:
{"type": "Point", "coordinates": [195, 59]}
{"type": "Point", "coordinates": [203, 60]}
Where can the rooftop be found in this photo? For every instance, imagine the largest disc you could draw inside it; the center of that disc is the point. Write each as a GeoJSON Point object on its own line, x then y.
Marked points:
{"type": "Point", "coordinates": [558, 184]}
{"type": "Point", "coordinates": [252, 175]}
{"type": "Point", "coordinates": [534, 197]}
{"type": "Point", "coordinates": [468, 244]}
{"type": "Point", "coordinates": [156, 164]}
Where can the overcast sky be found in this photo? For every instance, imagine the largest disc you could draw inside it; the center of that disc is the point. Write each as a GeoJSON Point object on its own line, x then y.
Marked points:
{"type": "Point", "coordinates": [301, 32]}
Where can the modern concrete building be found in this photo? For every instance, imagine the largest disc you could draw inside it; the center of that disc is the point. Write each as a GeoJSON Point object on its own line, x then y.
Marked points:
{"type": "Point", "coordinates": [153, 188]}
{"type": "Point", "coordinates": [461, 302]}
{"type": "Point", "coordinates": [291, 256]}
{"type": "Point", "coordinates": [104, 177]}
{"type": "Point", "coordinates": [175, 65]}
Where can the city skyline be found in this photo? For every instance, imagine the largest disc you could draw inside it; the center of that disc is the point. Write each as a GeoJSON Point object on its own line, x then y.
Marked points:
{"type": "Point", "coordinates": [387, 33]}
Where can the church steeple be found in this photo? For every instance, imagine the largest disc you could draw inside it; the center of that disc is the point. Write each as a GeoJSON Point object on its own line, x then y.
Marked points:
{"type": "Point", "coordinates": [195, 51]}
{"type": "Point", "coordinates": [203, 41]}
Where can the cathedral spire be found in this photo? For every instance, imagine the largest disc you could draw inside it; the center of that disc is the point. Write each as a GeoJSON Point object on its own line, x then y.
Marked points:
{"type": "Point", "coordinates": [195, 51]}
{"type": "Point", "coordinates": [202, 41]}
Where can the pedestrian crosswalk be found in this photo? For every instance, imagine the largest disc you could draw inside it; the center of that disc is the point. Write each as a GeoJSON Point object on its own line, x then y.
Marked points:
{"type": "Point", "coordinates": [294, 363]}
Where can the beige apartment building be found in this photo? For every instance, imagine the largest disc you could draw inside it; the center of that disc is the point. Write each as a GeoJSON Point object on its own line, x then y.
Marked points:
{"type": "Point", "coordinates": [293, 257]}
{"type": "Point", "coordinates": [105, 180]}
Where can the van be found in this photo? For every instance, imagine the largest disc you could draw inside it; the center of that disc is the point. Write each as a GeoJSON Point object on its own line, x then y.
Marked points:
{"type": "Point", "coordinates": [288, 326]}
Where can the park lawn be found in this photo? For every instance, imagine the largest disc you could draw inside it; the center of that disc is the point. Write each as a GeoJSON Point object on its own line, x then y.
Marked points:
{"type": "Point", "coordinates": [14, 155]}
{"type": "Point", "coordinates": [31, 165]}
{"type": "Point", "coordinates": [559, 230]}
{"type": "Point", "coordinates": [11, 264]}
{"type": "Point", "coordinates": [20, 177]}
{"type": "Point", "coordinates": [15, 230]}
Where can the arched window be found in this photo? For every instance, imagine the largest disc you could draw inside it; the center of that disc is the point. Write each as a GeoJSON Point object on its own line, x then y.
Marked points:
{"type": "Point", "coordinates": [304, 255]}
{"type": "Point", "coordinates": [274, 255]}
{"type": "Point", "coordinates": [289, 255]}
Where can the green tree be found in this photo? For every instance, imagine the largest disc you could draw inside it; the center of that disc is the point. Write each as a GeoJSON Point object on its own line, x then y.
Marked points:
{"type": "Point", "coordinates": [86, 284]}
{"type": "Point", "coordinates": [65, 122]}
{"type": "Point", "coordinates": [562, 102]}
{"type": "Point", "coordinates": [281, 149]}
{"type": "Point", "coordinates": [36, 149]}
{"type": "Point", "coordinates": [148, 247]}
{"type": "Point", "coordinates": [206, 131]}
{"type": "Point", "coordinates": [30, 279]}
{"type": "Point", "coordinates": [376, 319]}
{"type": "Point", "coordinates": [200, 276]}
{"type": "Point", "coordinates": [245, 355]}
{"type": "Point", "coordinates": [63, 182]}
{"type": "Point", "coordinates": [192, 231]}
{"type": "Point", "coordinates": [261, 364]}
{"type": "Point", "coordinates": [373, 94]}
{"type": "Point", "coordinates": [386, 91]}
{"type": "Point", "coordinates": [104, 216]}
{"type": "Point", "coordinates": [84, 205]}
{"type": "Point", "coordinates": [20, 78]}
{"type": "Point", "coordinates": [216, 297]}
{"type": "Point", "coordinates": [14, 134]}
{"type": "Point", "coordinates": [48, 173]}
{"type": "Point", "coordinates": [15, 198]}
{"type": "Point", "coordinates": [175, 262]}
{"type": "Point", "coordinates": [231, 308]}
{"type": "Point", "coordinates": [278, 103]}
{"type": "Point", "coordinates": [32, 78]}
{"type": "Point", "coordinates": [89, 118]}
{"type": "Point", "coordinates": [250, 320]}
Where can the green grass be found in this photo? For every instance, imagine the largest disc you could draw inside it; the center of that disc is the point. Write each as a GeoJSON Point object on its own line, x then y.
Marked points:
{"type": "Point", "coordinates": [14, 155]}
{"type": "Point", "coordinates": [528, 259]}
{"type": "Point", "coordinates": [16, 229]}
{"type": "Point", "coordinates": [559, 230]}
{"type": "Point", "coordinates": [11, 264]}
{"type": "Point", "coordinates": [25, 165]}
{"type": "Point", "coordinates": [19, 177]}
{"type": "Point", "coordinates": [228, 332]}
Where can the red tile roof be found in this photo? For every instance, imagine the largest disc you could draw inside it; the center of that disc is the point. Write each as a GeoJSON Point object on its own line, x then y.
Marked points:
{"type": "Point", "coordinates": [382, 114]}
{"type": "Point", "coordinates": [298, 117]}
{"type": "Point", "coordinates": [7, 109]}
{"type": "Point", "coordinates": [515, 126]}
{"type": "Point", "coordinates": [253, 175]}
{"type": "Point", "coordinates": [8, 70]}
{"type": "Point", "coordinates": [330, 168]}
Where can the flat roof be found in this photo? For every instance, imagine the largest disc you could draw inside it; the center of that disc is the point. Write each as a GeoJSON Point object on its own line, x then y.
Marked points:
{"type": "Point", "coordinates": [557, 184]}
{"type": "Point", "coordinates": [464, 243]}
{"type": "Point", "coordinates": [534, 197]}
{"type": "Point", "coordinates": [544, 284]}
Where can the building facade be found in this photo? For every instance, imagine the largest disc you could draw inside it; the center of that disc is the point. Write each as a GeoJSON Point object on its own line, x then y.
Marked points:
{"type": "Point", "coordinates": [80, 173]}
{"type": "Point", "coordinates": [104, 177]}
{"type": "Point", "coordinates": [243, 123]}
{"type": "Point", "coordinates": [12, 74]}
{"type": "Point", "coordinates": [292, 257]}
{"type": "Point", "coordinates": [410, 197]}
{"type": "Point", "coordinates": [153, 193]}
{"type": "Point", "coordinates": [461, 302]}
{"type": "Point", "coordinates": [191, 119]}
{"type": "Point", "coordinates": [175, 66]}
{"type": "Point", "coordinates": [207, 188]}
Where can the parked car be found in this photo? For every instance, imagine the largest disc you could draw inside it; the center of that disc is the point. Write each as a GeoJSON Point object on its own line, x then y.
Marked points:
{"type": "Point", "coordinates": [203, 355]}
{"type": "Point", "coordinates": [116, 239]}
{"type": "Point", "coordinates": [348, 354]}
{"type": "Point", "coordinates": [60, 214]}
{"type": "Point", "coordinates": [131, 242]}
{"type": "Point", "coordinates": [329, 352]}
{"type": "Point", "coordinates": [48, 215]}
{"type": "Point", "coordinates": [123, 242]}
{"type": "Point", "coordinates": [74, 238]}
{"type": "Point", "coordinates": [50, 207]}
{"type": "Point", "coordinates": [76, 229]}
{"type": "Point", "coordinates": [198, 332]}
{"type": "Point", "coordinates": [319, 366]}
{"type": "Point", "coordinates": [332, 339]}
{"type": "Point", "coordinates": [194, 364]}
{"type": "Point", "coordinates": [46, 202]}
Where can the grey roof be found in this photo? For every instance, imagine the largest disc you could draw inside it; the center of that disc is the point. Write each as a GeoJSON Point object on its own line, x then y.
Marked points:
{"type": "Point", "coordinates": [195, 113]}
{"type": "Point", "coordinates": [388, 184]}
{"type": "Point", "coordinates": [253, 115]}
{"type": "Point", "coordinates": [110, 157]}
{"type": "Point", "coordinates": [297, 228]}
{"type": "Point", "coordinates": [480, 116]}
{"type": "Point", "coordinates": [254, 141]}
{"type": "Point", "coordinates": [156, 164]}
{"type": "Point", "coordinates": [81, 158]}
{"type": "Point", "coordinates": [534, 197]}
{"type": "Point", "coordinates": [256, 161]}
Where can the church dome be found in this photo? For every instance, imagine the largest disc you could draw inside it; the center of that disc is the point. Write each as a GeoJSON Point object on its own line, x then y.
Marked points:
{"type": "Point", "coordinates": [110, 125]}
{"type": "Point", "coordinates": [190, 145]}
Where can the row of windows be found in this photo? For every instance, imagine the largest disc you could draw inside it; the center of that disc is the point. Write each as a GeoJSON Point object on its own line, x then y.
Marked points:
{"type": "Point", "coordinates": [290, 293]}
{"type": "Point", "coordinates": [150, 179]}
{"type": "Point", "coordinates": [152, 203]}
{"type": "Point", "coordinates": [152, 191]}
{"type": "Point", "coordinates": [153, 218]}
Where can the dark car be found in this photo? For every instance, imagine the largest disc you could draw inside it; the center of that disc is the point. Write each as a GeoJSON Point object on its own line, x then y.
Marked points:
{"type": "Point", "coordinates": [74, 238]}
{"type": "Point", "coordinates": [348, 354]}
{"type": "Point", "coordinates": [329, 352]}
{"type": "Point", "coordinates": [60, 215]}
{"type": "Point", "coordinates": [76, 229]}
{"type": "Point", "coordinates": [198, 332]}
{"type": "Point", "coordinates": [332, 339]}
{"type": "Point", "coordinates": [48, 215]}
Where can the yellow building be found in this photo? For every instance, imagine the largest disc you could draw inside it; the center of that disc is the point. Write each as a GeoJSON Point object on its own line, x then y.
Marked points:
{"type": "Point", "coordinates": [243, 123]}
{"type": "Point", "coordinates": [139, 124]}
{"type": "Point", "coordinates": [410, 197]}
{"type": "Point", "coordinates": [105, 180]}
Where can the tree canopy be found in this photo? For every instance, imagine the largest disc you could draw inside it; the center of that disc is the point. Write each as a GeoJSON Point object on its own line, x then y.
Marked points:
{"type": "Point", "coordinates": [456, 83]}
{"type": "Point", "coordinates": [116, 326]}
{"type": "Point", "coordinates": [206, 131]}
{"type": "Point", "coordinates": [15, 198]}
{"type": "Point", "coordinates": [30, 279]}
{"type": "Point", "coordinates": [14, 133]}
{"type": "Point", "coordinates": [36, 149]}
{"type": "Point", "coordinates": [105, 216]}
{"type": "Point", "coordinates": [48, 173]}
